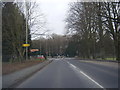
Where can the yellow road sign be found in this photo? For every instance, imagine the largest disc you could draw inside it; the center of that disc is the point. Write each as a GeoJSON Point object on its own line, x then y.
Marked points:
{"type": "Point", "coordinates": [26, 45]}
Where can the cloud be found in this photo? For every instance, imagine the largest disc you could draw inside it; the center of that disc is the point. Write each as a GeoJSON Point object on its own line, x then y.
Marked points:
{"type": "Point", "coordinates": [55, 13]}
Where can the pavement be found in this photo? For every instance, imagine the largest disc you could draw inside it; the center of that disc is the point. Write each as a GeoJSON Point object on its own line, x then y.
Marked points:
{"type": "Point", "coordinates": [71, 73]}
{"type": "Point", "coordinates": [12, 79]}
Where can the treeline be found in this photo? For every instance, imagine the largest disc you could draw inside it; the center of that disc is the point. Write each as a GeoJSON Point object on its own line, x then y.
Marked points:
{"type": "Point", "coordinates": [52, 45]}
{"type": "Point", "coordinates": [13, 32]}
{"type": "Point", "coordinates": [94, 29]}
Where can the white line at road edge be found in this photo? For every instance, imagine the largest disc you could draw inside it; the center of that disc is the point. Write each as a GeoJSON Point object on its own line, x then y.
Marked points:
{"type": "Point", "coordinates": [85, 75]}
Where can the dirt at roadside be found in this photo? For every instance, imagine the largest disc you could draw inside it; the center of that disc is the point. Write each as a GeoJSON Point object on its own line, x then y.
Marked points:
{"type": "Point", "coordinates": [12, 67]}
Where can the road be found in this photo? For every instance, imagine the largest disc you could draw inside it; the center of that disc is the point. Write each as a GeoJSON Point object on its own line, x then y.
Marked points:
{"type": "Point", "coordinates": [70, 73]}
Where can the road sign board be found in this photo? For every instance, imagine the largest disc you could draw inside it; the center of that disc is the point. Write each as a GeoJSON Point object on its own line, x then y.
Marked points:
{"type": "Point", "coordinates": [26, 45]}
{"type": "Point", "coordinates": [33, 50]}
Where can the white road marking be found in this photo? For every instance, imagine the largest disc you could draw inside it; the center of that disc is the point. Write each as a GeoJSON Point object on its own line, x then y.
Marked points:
{"type": "Point", "coordinates": [78, 70]}
{"type": "Point", "coordinates": [73, 66]}
{"type": "Point", "coordinates": [91, 79]}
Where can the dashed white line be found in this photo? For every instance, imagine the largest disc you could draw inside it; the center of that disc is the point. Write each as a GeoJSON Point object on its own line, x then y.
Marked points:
{"type": "Point", "coordinates": [73, 66]}
{"type": "Point", "coordinates": [78, 70]}
{"type": "Point", "coordinates": [91, 79]}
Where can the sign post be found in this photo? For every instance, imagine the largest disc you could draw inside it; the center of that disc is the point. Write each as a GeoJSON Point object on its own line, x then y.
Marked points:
{"type": "Point", "coordinates": [26, 45]}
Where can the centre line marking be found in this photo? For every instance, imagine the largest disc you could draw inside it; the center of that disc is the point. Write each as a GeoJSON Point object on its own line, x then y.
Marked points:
{"type": "Point", "coordinates": [78, 70]}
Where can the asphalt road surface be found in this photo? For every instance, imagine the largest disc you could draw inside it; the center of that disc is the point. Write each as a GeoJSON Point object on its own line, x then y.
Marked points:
{"type": "Point", "coordinates": [70, 73]}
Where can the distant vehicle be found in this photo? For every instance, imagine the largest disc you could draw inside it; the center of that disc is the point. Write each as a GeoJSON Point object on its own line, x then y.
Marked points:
{"type": "Point", "coordinates": [40, 57]}
{"type": "Point", "coordinates": [58, 56]}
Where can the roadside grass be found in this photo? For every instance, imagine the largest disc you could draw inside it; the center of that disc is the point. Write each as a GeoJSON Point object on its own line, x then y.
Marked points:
{"type": "Point", "coordinates": [106, 59]}
{"type": "Point", "coordinates": [110, 58]}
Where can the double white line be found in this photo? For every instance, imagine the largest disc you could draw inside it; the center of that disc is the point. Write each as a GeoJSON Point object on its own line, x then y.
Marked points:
{"type": "Point", "coordinates": [78, 70]}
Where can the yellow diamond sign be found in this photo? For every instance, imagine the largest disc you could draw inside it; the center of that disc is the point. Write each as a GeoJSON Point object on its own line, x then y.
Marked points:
{"type": "Point", "coordinates": [26, 45]}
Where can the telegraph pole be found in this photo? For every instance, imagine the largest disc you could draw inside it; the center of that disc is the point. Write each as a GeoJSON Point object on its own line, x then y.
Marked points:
{"type": "Point", "coordinates": [26, 45]}
{"type": "Point", "coordinates": [26, 30]}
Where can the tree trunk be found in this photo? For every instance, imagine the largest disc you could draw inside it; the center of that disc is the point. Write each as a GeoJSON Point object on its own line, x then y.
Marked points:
{"type": "Point", "coordinates": [117, 47]}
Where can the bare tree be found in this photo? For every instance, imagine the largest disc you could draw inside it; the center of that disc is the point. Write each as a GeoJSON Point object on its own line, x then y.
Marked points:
{"type": "Point", "coordinates": [90, 22]}
{"type": "Point", "coordinates": [111, 22]}
{"type": "Point", "coordinates": [36, 19]}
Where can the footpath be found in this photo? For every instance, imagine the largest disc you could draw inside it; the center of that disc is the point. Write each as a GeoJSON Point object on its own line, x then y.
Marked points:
{"type": "Point", "coordinates": [12, 79]}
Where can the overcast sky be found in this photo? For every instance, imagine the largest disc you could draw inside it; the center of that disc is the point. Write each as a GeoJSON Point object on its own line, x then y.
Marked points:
{"type": "Point", "coordinates": [55, 14]}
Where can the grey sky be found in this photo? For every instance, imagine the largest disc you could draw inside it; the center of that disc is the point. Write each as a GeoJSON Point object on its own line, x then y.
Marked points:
{"type": "Point", "coordinates": [55, 13]}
